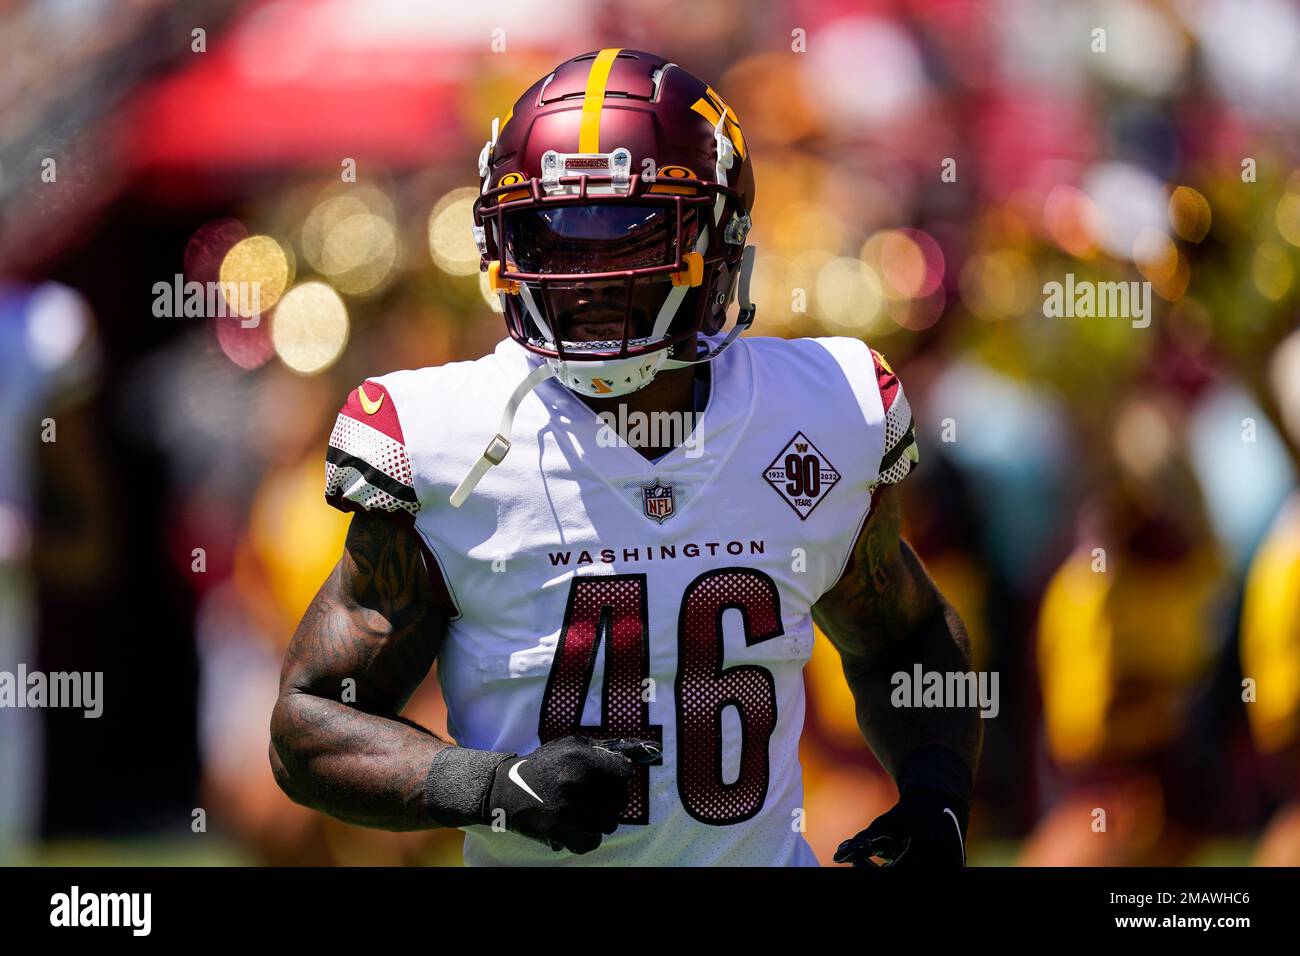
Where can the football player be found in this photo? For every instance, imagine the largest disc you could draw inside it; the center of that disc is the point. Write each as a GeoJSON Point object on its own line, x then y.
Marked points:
{"type": "Point", "coordinates": [621, 623]}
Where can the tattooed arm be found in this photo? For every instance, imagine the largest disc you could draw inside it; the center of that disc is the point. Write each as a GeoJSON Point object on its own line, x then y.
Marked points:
{"type": "Point", "coordinates": [376, 622]}
{"type": "Point", "coordinates": [883, 616]}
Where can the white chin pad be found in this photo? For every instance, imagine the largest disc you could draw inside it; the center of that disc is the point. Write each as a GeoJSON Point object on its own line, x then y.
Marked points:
{"type": "Point", "coordinates": [609, 378]}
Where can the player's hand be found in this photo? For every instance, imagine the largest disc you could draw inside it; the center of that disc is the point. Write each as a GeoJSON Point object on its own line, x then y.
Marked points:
{"type": "Point", "coordinates": [921, 831]}
{"type": "Point", "coordinates": [569, 792]}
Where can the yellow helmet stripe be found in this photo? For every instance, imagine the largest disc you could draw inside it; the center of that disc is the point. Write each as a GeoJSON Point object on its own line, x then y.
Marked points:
{"type": "Point", "coordinates": [589, 130]}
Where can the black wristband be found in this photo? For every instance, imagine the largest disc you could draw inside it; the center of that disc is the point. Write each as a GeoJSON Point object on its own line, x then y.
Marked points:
{"type": "Point", "coordinates": [459, 783]}
{"type": "Point", "coordinates": [938, 770]}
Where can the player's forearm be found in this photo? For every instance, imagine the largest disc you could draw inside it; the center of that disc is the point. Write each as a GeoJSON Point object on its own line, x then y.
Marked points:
{"type": "Point", "coordinates": [363, 768]}
{"type": "Point", "coordinates": [938, 643]}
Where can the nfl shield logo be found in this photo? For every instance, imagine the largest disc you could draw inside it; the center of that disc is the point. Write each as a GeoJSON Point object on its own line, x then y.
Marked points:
{"type": "Point", "coordinates": [658, 499]}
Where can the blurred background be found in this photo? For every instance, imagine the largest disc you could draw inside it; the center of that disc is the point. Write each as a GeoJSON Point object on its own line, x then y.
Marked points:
{"type": "Point", "coordinates": [1113, 509]}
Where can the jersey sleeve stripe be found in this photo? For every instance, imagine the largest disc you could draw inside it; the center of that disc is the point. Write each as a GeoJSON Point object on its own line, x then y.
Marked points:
{"type": "Point", "coordinates": [900, 449]}
{"type": "Point", "coordinates": [400, 515]}
{"type": "Point", "coordinates": [373, 476]}
{"type": "Point", "coordinates": [892, 457]}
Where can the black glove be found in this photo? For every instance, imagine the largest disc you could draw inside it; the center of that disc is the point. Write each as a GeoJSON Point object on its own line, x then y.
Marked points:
{"type": "Point", "coordinates": [567, 793]}
{"type": "Point", "coordinates": [927, 827]}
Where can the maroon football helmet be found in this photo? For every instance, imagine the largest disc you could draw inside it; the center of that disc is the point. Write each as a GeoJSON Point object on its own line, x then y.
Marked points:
{"type": "Point", "coordinates": [613, 217]}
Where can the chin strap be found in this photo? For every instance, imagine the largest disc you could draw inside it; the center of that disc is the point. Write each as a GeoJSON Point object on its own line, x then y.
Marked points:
{"type": "Point", "coordinates": [743, 321]}
{"type": "Point", "coordinates": [496, 450]}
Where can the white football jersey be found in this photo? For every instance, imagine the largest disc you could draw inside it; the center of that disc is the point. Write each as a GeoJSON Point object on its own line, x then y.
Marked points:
{"type": "Point", "coordinates": [603, 594]}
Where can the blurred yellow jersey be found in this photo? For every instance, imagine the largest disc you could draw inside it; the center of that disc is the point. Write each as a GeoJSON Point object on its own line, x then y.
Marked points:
{"type": "Point", "coordinates": [1117, 648]}
{"type": "Point", "coordinates": [1270, 633]}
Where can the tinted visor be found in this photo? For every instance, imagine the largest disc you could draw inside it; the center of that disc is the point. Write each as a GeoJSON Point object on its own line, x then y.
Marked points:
{"type": "Point", "coordinates": [596, 237]}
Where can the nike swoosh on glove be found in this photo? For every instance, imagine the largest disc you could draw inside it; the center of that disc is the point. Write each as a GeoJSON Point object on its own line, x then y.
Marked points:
{"type": "Point", "coordinates": [570, 792]}
{"type": "Point", "coordinates": [920, 831]}
{"type": "Point", "coordinates": [926, 829]}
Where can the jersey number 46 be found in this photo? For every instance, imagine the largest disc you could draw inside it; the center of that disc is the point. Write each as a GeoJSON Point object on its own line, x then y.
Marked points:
{"type": "Point", "coordinates": [613, 610]}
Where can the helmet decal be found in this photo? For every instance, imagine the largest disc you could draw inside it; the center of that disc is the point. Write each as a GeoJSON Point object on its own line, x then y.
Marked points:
{"type": "Point", "coordinates": [512, 179]}
{"type": "Point", "coordinates": [711, 107]}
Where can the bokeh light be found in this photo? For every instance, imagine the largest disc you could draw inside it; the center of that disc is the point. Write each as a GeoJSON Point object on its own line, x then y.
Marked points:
{"type": "Point", "coordinates": [254, 274]}
{"type": "Point", "coordinates": [351, 238]}
{"type": "Point", "coordinates": [1070, 218]}
{"type": "Point", "coordinates": [897, 258]}
{"type": "Point", "coordinates": [866, 53]}
{"type": "Point", "coordinates": [849, 296]}
{"type": "Point", "coordinates": [1158, 259]}
{"type": "Point", "coordinates": [207, 248]}
{"type": "Point", "coordinates": [1189, 213]}
{"type": "Point", "coordinates": [770, 289]}
{"type": "Point", "coordinates": [1287, 217]}
{"type": "Point", "coordinates": [359, 253]}
{"type": "Point", "coordinates": [492, 299]}
{"type": "Point", "coordinates": [1271, 271]}
{"type": "Point", "coordinates": [451, 240]}
{"type": "Point", "coordinates": [1145, 49]}
{"type": "Point", "coordinates": [58, 322]}
{"type": "Point", "coordinates": [998, 285]}
{"type": "Point", "coordinates": [1128, 199]}
{"type": "Point", "coordinates": [1284, 376]}
{"type": "Point", "coordinates": [310, 327]}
